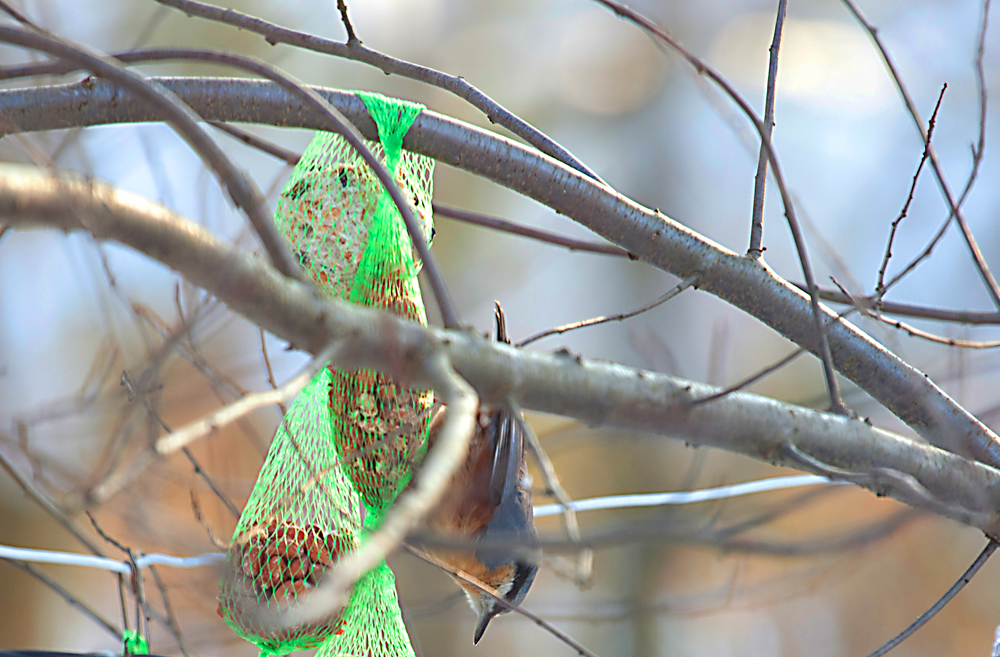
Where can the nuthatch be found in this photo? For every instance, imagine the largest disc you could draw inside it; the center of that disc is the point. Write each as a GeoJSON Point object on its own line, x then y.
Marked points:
{"type": "Point", "coordinates": [489, 502]}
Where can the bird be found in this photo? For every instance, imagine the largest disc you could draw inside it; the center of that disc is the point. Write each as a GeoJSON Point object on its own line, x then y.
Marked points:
{"type": "Point", "coordinates": [489, 503]}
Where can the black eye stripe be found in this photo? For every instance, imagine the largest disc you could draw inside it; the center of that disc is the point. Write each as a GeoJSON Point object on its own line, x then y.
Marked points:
{"type": "Point", "coordinates": [522, 575]}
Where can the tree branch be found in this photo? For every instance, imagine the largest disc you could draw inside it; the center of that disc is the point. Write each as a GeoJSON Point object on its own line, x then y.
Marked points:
{"type": "Point", "coordinates": [596, 393]}
{"type": "Point", "coordinates": [648, 235]}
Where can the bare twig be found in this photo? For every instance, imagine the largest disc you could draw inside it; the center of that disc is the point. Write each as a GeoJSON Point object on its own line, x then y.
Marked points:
{"type": "Point", "coordinates": [908, 310]}
{"type": "Point", "coordinates": [254, 141]}
{"type": "Point", "coordinates": [335, 122]}
{"type": "Point", "coordinates": [506, 226]}
{"type": "Point", "coordinates": [596, 393]}
{"type": "Point", "coordinates": [355, 51]}
{"type": "Point", "coordinates": [940, 604]}
{"type": "Point", "coordinates": [750, 380]}
{"type": "Point", "coordinates": [68, 597]}
{"type": "Point", "coordinates": [880, 283]}
{"type": "Point", "coordinates": [472, 581]}
{"type": "Point", "coordinates": [270, 372]}
{"type": "Point", "coordinates": [819, 335]}
{"type": "Point", "coordinates": [352, 38]}
{"type": "Point", "coordinates": [673, 292]}
{"type": "Point", "coordinates": [241, 187]}
{"type": "Point", "coordinates": [954, 208]}
{"type": "Point", "coordinates": [925, 335]}
{"type": "Point", "coordinates": [220, 418]}
{"type": "Point", "coordinates": [49, 506]}
{"type": "Point", "coordinates": [760, 181]}
{"type": "Point", "coordinates": [169, 620]}
{"type": "Point", "coordinates": [134, 392]}
{"type": "Point", "coordinates": [977, 151]}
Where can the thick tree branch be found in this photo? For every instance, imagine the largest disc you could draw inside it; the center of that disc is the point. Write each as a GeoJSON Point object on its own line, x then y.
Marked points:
{"type": "Point", "coordinates": [648, 235]}
{"type": "Point", "coordinates": [596, 393]}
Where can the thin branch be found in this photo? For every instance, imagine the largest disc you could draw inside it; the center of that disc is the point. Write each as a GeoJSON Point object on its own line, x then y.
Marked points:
{"type": "Point", "coordinates": [652, 237]}
{"type": "Point", "coordinates": [270, 372]}
{"type": "Point", "coordinates": [977, 151]}
{"type": "Point", "coordinates": [760, 180]}
{"type": "Point", "coordinates": [334, 122]}
{"type": "Point", "coordinates": [68, 597]}
{"type": "Point", "coordinates": [819, 335]}
{"type": "Point", "coordinates": [477, 219]}
{"type": "Point", "coordinates": [750, 380]}
{"type": "Point", "coordinates": [275, 34]}
{"type": "Point", "coordinates": [880, 283]}
{"type": "Point", "coordinates": [50, 507]}
{"type": "Point", "coordinates": [169, 619]}
{"type": "Point", "coordinates": [908, 310]}
{"type": "Point", "coordinates": [215, 420]}
{"type": "Point", "coordinates": [596, 393]}
{"type": "Point", "coordinates": [472, 581]}
{"type": "Point", "coordinates": [594, 321]}
{"type": "Point", "coordinates": [241, 187]}
{"type": "Point", "coordinates": [352, 38]}
{"type": "Point", "coordinates": [954, 208]}
{"type": "Point", "coordinates": [940, 604]}
{"type": "Point", "coordinates": [133, 392]}
{"type": "Point", "coordinates": [18, 16]}
{"type": "Point", "coordinates": [924, 335]}
{"type": "Point", "coordinates": [254, 141]}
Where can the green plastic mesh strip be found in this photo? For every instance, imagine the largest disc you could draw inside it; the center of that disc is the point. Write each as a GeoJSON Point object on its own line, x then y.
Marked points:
{"type": "Point", "coordinates": [379, 426]}
{"type": "Point", "coordinates": [350, 439]}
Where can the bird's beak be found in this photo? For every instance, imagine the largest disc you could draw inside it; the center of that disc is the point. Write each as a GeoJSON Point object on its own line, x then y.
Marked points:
{"type": "Point", "coordinates": [485, 616]}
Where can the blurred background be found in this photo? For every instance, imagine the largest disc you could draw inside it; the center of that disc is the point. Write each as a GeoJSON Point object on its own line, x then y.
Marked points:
{"type": "Point", "coordinates": [834, 572]}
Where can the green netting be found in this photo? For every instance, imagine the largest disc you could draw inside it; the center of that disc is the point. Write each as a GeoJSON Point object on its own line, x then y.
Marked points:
{"type": "Point", "coordinates": [330, 200]}
{"type": "Point", "coordinates": [350, 438]}
{"type": "Point", "coordinates": [301, 516]}
{"type": "Point", "coordinates": [373, 626]}
{"type": "Point", "coordinates": [379, 426]}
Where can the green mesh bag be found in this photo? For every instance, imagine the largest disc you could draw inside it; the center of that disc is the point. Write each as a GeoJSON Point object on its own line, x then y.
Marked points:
{"type": "Point", "coordinates": [327, 207]}
{"type": "Point", "coordinates": [350, 437]}
{"type": "Point", "coordinates": [302, 515]}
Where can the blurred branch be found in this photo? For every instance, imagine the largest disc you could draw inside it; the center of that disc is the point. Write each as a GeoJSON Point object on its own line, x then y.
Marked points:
{"type": "Point", "coordinates": [168, 107]}
{"type": "Point", "coordinates": [648, 235]}
{"type": "Point", "coordinates": [553, 486]}
{"type": "Point", "coordinates": [275, 34]}
{"type": "Point", "coordinates": [908, 310]}
{"type": "Point", "coordinates": [940, 604]}
{"type": "Point", "coordinates": [68, 597]}
{"type": "Point", "coordinates": [596, 393]}
{"type": "Point", "coordinates": [333, 121]}
{"type": "Point", "coordinates": [472, 581]}
{"type": "Point", "coordinates": [760, 180]}
{"type": "Point", "coordinates": [955, 208]}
